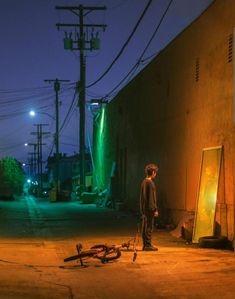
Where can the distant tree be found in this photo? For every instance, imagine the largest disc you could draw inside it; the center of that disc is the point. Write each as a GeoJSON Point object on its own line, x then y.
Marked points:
{"type": "Point", "coordinates": [11, 177]}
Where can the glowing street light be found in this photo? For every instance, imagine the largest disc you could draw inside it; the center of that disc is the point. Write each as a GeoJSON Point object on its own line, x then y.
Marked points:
{"type": "Point", "coordinates": [32, 113]}
{"type": "Point", "coordinates": [98, 102]}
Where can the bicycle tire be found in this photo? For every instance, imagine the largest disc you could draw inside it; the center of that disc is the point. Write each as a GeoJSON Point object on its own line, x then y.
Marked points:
{"type": "Point", "coordinates": [100, 246]}
{"type": "Point", "coordinates": [106, 253]}
{"type": "Point", "coordinates": [111, 251]}
{"type": "Point", "coordinates": [110, 254]}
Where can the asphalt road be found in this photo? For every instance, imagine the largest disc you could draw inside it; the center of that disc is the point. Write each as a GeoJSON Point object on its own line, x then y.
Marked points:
{"type": "Point", "coordinates": [35, 237]}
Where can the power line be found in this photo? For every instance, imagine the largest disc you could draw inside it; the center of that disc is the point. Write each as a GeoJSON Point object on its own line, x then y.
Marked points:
{"type": "Point", "coordinates": [143, 61]}
{"type": "Point", "coordinates": [42, 95]}
{"type": "Point", "coordinates": [69, 111]}
{"type": "Point", "coordinates": [129, 74]}
{"type": "Point", "coordinates": [123, 47]}
{"type": "Point", "coordinates": [134, 68]}
{"type": "Point", "coordinates": [8, 90]}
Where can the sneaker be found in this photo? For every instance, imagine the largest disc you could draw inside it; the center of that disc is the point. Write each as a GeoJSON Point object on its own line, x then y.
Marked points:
{"type": "Point", "coordinates": [150, 248]}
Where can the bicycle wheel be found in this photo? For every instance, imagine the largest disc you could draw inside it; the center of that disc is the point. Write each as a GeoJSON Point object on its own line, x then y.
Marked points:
{"type": "Point", "coordinates": [100, 247]}
{"type": "Point", "coordinates": [110, 254]}
{"type": "Point", "coordinates": [103, 250]}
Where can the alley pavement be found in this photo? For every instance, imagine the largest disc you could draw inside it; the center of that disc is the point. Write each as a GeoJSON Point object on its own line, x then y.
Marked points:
{"type": "Point", "coordinates": [36, 236]}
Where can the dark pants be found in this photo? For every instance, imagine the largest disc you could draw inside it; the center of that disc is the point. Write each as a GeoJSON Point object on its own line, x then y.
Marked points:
{"type": "Point", "coordinates": [147, 229]}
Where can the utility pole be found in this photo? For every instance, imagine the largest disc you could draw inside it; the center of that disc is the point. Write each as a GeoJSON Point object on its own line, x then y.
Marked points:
{"type": "Point", "coordinates": [56, 136]}
{"type": "Point", "coordinates": [81, 42]}
{"type": "Point", "coordinates": [30, 163]}
{"type": "Point", "coordinates": [39, 133]}
{"type": "Point", "coordinates": [33, 159]}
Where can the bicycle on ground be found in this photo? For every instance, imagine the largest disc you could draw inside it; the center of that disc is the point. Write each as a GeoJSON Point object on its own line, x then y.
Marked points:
{"type": "Point", "coordinates": [103, 252]}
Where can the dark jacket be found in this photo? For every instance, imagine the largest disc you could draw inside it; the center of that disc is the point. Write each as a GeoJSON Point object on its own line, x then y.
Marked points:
{"type": "Point", "coordinates": [148, 199]}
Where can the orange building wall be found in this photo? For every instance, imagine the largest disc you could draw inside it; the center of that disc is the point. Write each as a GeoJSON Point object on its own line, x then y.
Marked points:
{"type": "Point", "coordinates": [165, 116]}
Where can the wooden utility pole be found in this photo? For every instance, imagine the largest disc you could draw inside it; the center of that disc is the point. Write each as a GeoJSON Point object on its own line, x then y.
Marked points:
{"type": "Point", "coordinates": [33, 160]}
{"type": "Point", "coordinates": [56, 136]}
{"type": "Point", "coordinates": [39, 133]}
{"type": "Point", "coordinates": [81, 44]}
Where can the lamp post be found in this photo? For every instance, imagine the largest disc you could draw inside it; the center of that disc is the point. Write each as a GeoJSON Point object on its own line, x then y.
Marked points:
{"type": "Point", "coordinates": [96, 104]}
{"type": "Point", "coordinates": [32, 113]}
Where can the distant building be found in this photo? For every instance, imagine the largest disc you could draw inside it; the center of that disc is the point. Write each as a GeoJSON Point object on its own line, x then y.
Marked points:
{"type": "Point", "coordinates": [181, 103]}
{"type": "Point", "coordinates": [69, 167]}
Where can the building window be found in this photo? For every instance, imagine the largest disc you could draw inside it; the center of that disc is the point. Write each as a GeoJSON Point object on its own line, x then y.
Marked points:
{"type": "Point", "coordinates": [230, 48]}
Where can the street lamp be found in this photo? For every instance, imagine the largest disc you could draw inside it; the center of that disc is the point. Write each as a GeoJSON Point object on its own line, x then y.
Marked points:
{"type": "Point", "coordinates": [98, 102]}
{"type": "Point", "coordinates": [32, 113]}
{"type": "Point", "coordinates": [95, 106]}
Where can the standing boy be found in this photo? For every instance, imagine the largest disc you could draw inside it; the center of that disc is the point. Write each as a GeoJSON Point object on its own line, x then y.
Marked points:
{"type": "Point", "coordinates": [148, 206]}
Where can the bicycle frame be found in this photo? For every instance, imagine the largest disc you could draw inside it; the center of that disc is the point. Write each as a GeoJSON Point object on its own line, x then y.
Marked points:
{"type": "Point", "coordinates": [102, 252]}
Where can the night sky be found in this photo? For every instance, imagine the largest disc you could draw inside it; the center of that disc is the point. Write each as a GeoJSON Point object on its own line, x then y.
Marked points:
{"type": "Point", "coordinates": [32, 51]}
